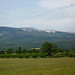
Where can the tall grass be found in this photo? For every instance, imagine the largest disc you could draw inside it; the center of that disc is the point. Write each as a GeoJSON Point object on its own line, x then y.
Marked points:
{"type": "Point", "coordinates": [37, 66]}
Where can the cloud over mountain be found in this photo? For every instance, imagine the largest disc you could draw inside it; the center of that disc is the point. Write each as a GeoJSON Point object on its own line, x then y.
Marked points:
{"type": "Point", "coordinates": [53, 14]}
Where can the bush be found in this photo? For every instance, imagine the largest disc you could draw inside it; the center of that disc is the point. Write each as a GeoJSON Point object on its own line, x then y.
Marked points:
{"type": "Point", "coordinates": [20, 55]}
{"type": "Point", "coordinates": [13, 56]}
{"type": "Point", "coordinates": [5, 55]}
{"type": "Point", "coordinates": [8, 56]}
{"type": "Point", "coordinates": [2, 55]}
{"type": "Point", "coordinates": [34, 55]}
{"type": "Point", "coordinates": [2, 52]}
{"type": "Point", "coordinates": [27, 55]}
{"type": "Point", "coordinates": [65, 53]}
{"type": "Point", "coordinates": [72, 55]}
{"type": "Point", "coordinates": [42, 55]}
{"type": "Point", "coordinates": [58, 55]}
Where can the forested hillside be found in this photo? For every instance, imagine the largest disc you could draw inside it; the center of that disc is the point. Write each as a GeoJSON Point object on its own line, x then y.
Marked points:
{"type": "Point", "coordinates": [33, 38]}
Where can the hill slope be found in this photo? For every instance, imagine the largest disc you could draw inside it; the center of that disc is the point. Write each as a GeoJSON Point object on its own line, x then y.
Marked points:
{"type": "Point", "coordinates": [31, 38]}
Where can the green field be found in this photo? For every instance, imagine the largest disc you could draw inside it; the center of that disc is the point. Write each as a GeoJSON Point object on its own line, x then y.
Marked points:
{"type": "Point", "coordinates": [37, 66]}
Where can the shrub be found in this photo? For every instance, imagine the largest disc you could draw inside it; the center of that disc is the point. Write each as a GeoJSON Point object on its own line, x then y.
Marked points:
{"type": "Point", "coordinates": [65, 53]}
{"type": "Point", "coordinates": [5, 55]}
{"type": "Point", "coordinates": [13, 56]}
{"type": "Point", "coordinates": [34, 55]}
{"type": "Point", "coordinates": [2, 52]}
{"type": "Point", "coordinates": [27, 55]}
{"type": "Point", "coordinates": [42, 55]}
{"type": "Point", "coordinates": [9, 51]}
{"type": "Point", "coordinates": [58, 55]}
{"type": "Point", "coordinates": [2, 55]}
{"type": "Point", "coordinates": [20, 55]}
{"type": "Point", "coordinates": [72, 55]}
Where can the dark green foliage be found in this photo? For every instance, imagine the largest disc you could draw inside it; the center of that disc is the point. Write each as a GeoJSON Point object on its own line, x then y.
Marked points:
{"type": "Point", "coordinates": [65, 53]}
{"type": "Point", "coordinates": [73, 50]}
{"type": "Point", "coordinates": [5, 56]}
{"type": "Point", "coordinates": [29, 51]}
{"type": "Point", "coordinates": [9, 51]}
{"type": "Point", "coordinates": [2, 52]}
{"type": "Point", "coordinates": [14, 55]}
{"type": "Point", "coordinates": [57, 55]}
{"type": "Point", "coordinates": [34, 51]}
{"type": "Point", "coordinates": [19, 51]}
{"type": "Point", "coordinates": [19, 47]}
{"type": "Point", "coordinates": [48, 48]}
{"type": "Point", "coordinates": [34, 55]}
{"type": "Point", "coordinates": [24, 51]}
{"type": "Point", "coordinates": [27, 55]}
{"type": "Point", "coordinates": [2, 55]}
{"type": "Point", "coordinates": [20, 55]}
{"type": "Point", "coordinates": [42, 55]}
{"type": "Point", "coordinates": [72, 55]}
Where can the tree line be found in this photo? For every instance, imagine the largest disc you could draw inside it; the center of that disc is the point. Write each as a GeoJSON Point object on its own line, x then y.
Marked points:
{"type": "Point", "coordinates": [47, 50]}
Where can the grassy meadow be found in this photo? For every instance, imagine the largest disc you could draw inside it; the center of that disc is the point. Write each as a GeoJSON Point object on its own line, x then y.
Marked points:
{"type": "Point", "coordinates": [37, 66]}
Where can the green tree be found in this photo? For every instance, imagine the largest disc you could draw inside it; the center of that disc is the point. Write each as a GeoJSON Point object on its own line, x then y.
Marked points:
{"type": "Point", "coordinates": [9, 51]}
{"type": "Point", "coordinates": [19, 51]}
{"type": "Point", "coordinates": [19, 47]}
{"type": "Point", "coordinates": [48, 48]}
{"type": "Point", "coordinates": [24, 51]}
{"type": "Point", "coordinates": [2, 52]}
{"type": "Point", "coordinates": [35, 51]}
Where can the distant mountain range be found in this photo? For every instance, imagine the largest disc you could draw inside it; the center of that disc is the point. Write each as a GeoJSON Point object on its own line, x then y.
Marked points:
{"type": "Point", "coordinates": [30, 37]}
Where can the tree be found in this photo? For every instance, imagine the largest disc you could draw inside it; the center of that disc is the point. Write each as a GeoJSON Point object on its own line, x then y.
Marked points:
{"type": "Point", "coordinates": [48, 48]}
{"type": "Point", "coordinates": [19, 51]}
{"type": "Point", "coordinates": [24, 51]}
{"type": "Point", "coordinates": [19, 48]}
{"type": "Point", "coordinates": [9, 51]}
{"type": "Point", "coordinates": [35, 51]}
{"type": "Point", "coordinates": [2, 52]}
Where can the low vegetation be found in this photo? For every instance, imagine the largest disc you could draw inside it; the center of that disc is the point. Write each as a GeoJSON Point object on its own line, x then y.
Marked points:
{"type": "Point", "coordinates": [51, 60]}
{"type": "Point", "coordinates": [46, 50]}
{"type": "Point", "coordinates": [39, 66]}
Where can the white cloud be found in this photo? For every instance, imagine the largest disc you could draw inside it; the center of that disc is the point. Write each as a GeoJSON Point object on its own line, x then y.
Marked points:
{"type": "Point", "coordinates": [62, 24]}
{"type": "Point", "coordinates": [66, 24]}
{"type": "Point", "coordinates": [49, 4]}
{"type": "Point", "coordinates": [53, 14]}
{"type": "Point", "coordinates": [70, 11]}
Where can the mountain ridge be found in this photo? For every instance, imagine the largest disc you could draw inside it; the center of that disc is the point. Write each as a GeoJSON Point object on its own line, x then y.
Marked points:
{"type": "Point", "coordinates": [37, 29]}
{"type": "Point", "coordinates": [28, 37]}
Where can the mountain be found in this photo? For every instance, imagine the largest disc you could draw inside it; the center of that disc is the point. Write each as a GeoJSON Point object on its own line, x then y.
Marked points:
{"type": "Point", "coordinates": [30, 37]}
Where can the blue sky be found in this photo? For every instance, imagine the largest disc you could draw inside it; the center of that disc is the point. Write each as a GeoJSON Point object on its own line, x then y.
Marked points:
{"type": "Point", "coordinates": [43, 14]}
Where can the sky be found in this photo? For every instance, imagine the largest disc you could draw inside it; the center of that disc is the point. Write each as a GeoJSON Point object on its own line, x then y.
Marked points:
{"type": "Point", "coordinates": [43, 14]}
